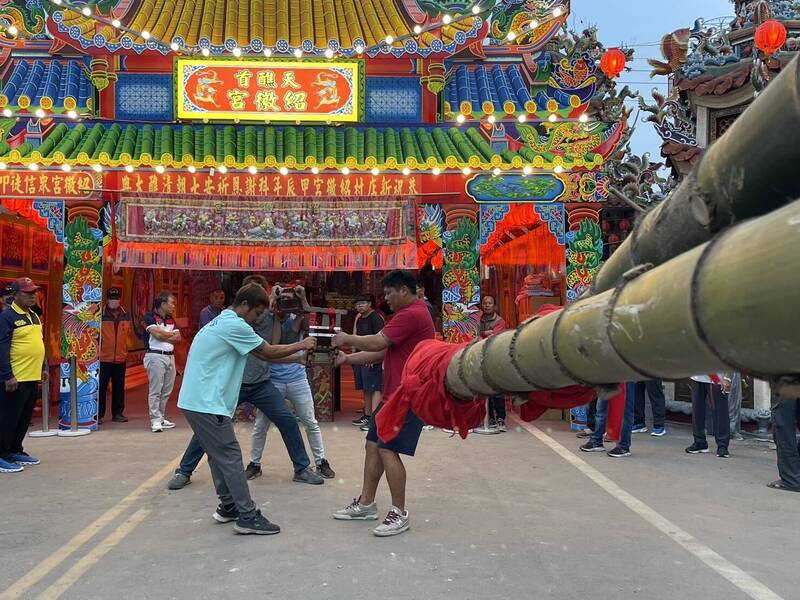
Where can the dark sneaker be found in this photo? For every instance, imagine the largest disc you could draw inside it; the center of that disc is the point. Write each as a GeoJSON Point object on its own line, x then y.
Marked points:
{"type": "Point", "coordinates": [257, 524]}
{"type": "Point", "coordinates": [618, 452]}
{"type": "Point", "coordinates": [697, 449]}
{"type": "Point", "coordinates": [365, 426]}
{"type": "Point", "coordinates": [722, 452]}
{"type": "Point", "coordinates": [7, 466]}
{"type": "Point", "coordinates": [252, 471]}
{"type": "Point", "coordinates": [24, 459]}
{"type": "Point", "coordinates": [225, 514]}
{"type": "Point", "coordinates": [592, 446]}
{"type": "Point", "coordinates": [584, 433]}
{"type": "Point", "coordinates": [492, 423]}
{"type": "Point", "coordinates": [179, 481]}
{"type": "Point", "coordinates": [358, 421]}
{"type": "Point", "coordinates": [119, 419]}
{"type": "Point", "coordinates": [324, 469]}
{"type": "Point", "coordinates": [639, 428]}
{"type": "Point", "coordinates": [501, 424]}
{"type": "Point", "coordinates": [659, 431]}
{"type": "Point", "coordinates": [308, 476]}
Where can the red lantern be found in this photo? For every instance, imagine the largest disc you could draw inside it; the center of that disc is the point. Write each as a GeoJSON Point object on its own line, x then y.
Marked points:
{"type": "Point", "coordinates": [613, 62]}
{"type": "Point", "coordinates": [613, 239]}
{"type": "Point", "coordinates": [625, 225]}
{"type": "Point", "coordinates": [770, 36]}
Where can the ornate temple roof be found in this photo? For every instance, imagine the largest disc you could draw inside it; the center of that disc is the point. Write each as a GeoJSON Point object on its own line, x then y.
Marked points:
{"type": "Point", "coordinates": [510, 89]}
{"type": "Point", "coordinates": [279, 25]}
{"type": "Point", "coordinates": [487, 89]}
{"type": "Point", "coordinates": [272, 147]}
{"type": "Point", "coordinates": [53, 85]}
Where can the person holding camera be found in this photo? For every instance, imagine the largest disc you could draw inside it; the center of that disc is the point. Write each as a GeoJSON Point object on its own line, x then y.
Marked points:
{"type": "Point", "coordinates": [291, 381]}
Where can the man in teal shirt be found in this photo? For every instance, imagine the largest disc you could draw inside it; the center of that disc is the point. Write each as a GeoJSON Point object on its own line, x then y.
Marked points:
{"type": "Point", "coordinates": [210, 393]}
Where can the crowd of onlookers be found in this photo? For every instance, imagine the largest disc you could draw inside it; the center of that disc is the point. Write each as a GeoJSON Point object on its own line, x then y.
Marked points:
{"type": "Point", "coordinates": [714, 395]}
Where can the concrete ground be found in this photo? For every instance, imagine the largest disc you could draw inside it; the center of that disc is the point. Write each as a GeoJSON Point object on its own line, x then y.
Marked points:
{"type": "Point", "coordinates": [519, 515]}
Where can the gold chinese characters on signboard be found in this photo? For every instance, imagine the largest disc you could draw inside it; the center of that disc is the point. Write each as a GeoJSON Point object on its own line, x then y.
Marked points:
{"type": "Point", "coordinates": [269, 90]}
{"type": "Point", "coordinates": [294, 184]}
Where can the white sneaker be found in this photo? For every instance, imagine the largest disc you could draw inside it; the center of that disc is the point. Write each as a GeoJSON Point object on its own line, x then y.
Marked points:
{"type": "Point", "coordinates": [395, 523]}
{"type": "Point", "coordinates": [156, 427]}
{"type": "Point", "coordinates": [355, 511]}
{"type": "Point", "coordinates": [167, 424]}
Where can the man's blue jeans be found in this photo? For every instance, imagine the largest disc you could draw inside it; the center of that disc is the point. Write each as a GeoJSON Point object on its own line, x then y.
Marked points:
{"type": "Point", "coordinates": [268, 400]}
{"type": "Point", "coordinates": [627, 419]}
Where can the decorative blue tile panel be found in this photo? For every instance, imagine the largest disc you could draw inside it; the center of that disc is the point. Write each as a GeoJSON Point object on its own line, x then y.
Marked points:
{"type": "Point", "coordinates": [393, 100]}
{"type": "Point", "coordinates": [144, 97]}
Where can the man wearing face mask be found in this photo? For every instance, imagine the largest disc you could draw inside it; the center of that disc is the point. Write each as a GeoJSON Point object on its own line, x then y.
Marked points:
{"type": "Point", "coordinates": [115, 328]}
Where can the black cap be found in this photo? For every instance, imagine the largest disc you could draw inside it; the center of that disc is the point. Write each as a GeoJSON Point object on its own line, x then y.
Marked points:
{"type": "Point", "coordinates": [114, 293]}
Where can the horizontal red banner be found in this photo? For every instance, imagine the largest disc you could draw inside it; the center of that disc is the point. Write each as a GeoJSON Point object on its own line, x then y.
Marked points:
{"type": "Point", "coordinates": [271, 185]}
{"type": "Point", "coordinates": [30, 184]}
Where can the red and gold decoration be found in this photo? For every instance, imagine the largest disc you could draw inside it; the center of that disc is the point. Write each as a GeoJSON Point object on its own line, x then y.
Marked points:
{"type": "Point", "coordinates": [301, 233]}
{"type": "Point", "coordinates": [273, 185]}
{"type": "Point", "coordinates": [269, 90]}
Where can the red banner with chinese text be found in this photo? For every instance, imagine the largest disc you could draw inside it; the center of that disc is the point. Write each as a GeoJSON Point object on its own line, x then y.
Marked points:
{"type": "Point", "coordinates": [45, 184]}
{"type": "Point", "coordinates": [272, 185]}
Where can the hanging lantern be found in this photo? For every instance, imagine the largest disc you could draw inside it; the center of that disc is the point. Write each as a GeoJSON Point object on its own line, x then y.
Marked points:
{"type": "Point", "coordinates": [613, 62]}
{"type": "Point", "coordinates": [770, 36]}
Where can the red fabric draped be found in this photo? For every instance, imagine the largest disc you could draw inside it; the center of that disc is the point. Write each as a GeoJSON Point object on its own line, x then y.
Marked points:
{"type": "Point", "coordinates": [422, 390]}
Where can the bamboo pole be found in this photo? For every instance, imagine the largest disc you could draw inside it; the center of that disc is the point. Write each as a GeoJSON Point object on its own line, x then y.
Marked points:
{"type": "Point", "coordinates": [750, 171]}
{"type": "Point", "coordinates": [729, 304]}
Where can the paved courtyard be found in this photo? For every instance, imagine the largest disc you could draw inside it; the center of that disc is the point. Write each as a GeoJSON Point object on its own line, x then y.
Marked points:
{"type": "Point", "coordinates": [520, 515]}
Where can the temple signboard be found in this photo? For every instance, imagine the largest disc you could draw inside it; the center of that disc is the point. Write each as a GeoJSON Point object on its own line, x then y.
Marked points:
{"type": "Point", "coordinates": [269, 90]}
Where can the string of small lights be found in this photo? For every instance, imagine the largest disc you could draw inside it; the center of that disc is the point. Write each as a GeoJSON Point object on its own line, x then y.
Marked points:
{"type": "Point", "coordinates": [477, 10]}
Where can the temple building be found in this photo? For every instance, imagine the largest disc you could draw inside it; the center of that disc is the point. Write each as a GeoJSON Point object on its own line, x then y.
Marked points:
{"type": "Point", "coordinates": [153, 145]}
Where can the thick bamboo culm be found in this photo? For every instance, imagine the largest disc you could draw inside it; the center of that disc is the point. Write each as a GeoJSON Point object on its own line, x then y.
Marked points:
{"type": "Point", "coordinates": [750, 171]}
{"type": "Point", "coordinates": [729, 304]}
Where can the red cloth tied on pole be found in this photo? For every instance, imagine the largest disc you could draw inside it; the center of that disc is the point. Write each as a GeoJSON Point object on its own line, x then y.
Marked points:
{"type": "Point", "coordinates": [422, 390]}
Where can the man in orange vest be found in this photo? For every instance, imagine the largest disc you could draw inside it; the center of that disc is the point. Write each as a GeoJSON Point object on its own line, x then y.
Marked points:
{"type": "Point", "coordinates": [116, 326]}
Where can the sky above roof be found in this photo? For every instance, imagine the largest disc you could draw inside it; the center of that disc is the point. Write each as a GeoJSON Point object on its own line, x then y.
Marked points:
{"type": "Point", "coordinates": [641, 24]}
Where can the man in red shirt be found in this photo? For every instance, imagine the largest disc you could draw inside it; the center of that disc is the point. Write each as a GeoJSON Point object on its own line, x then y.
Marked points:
{"type": "Point", "coordinates": [411, 323]}
{"type": "Point", "coordinates": [491, 324]}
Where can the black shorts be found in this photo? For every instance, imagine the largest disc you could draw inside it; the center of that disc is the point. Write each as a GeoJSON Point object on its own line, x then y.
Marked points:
{"type": "Point", "coordinates": [369, 378]}
{"type": "Point", "coordinates": [406, 441]}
